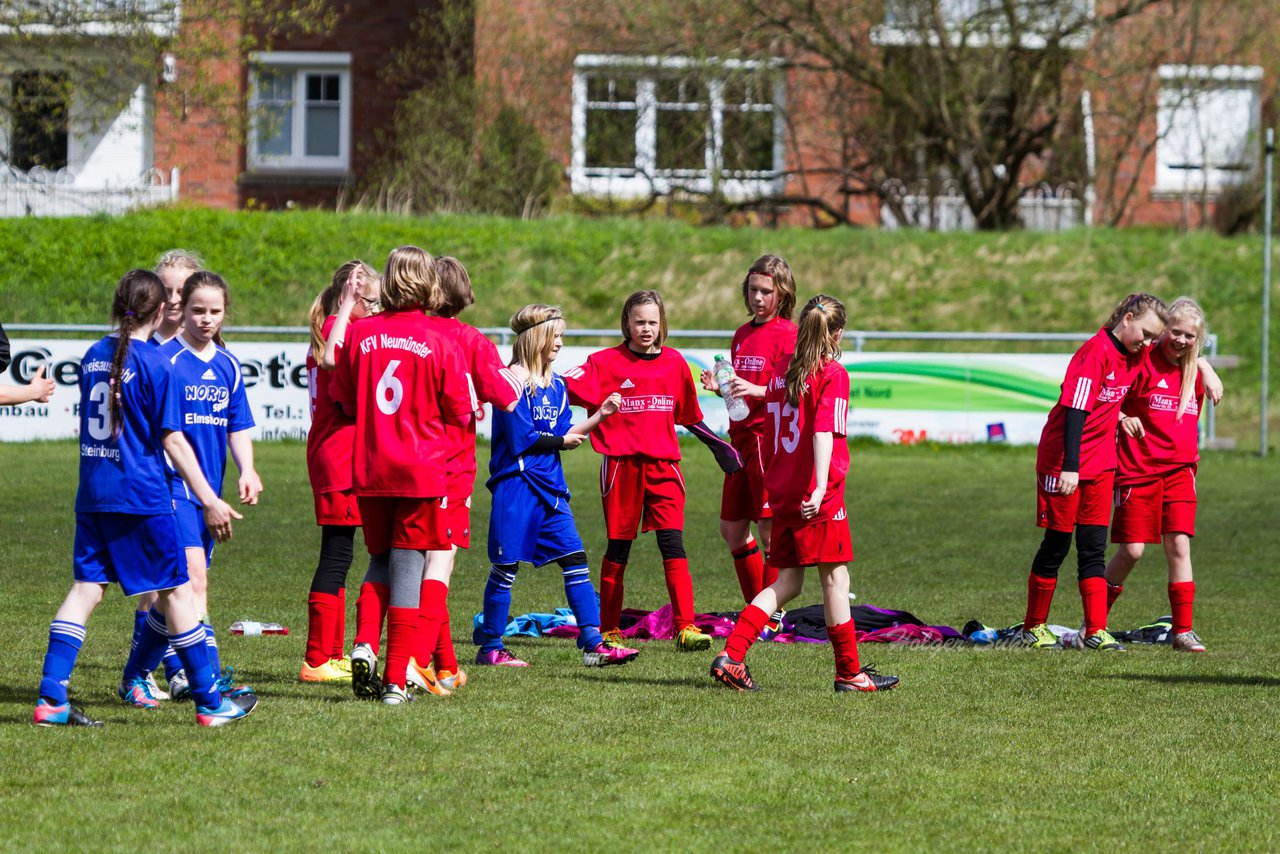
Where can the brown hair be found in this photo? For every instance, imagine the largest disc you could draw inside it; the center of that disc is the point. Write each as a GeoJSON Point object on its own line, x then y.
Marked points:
{"type": "Point", "coordinates": [1138, 305]}
{"type": "Point", "coordinates": [326, 302]}
{"type": "Point", "coordinates": [138, 299]}
{"type": "Point", "coordinates": [776, 268]}
{"type": "Point", "coordinates": [638, 299]}
{"type": "Point", "coordinates": [206, 279]}
{"type": "Point", "coordinates": [455, 287]}
{"type": "Point", "coordinates": [536, 327]}
{"type": "Point", "coordinates": [818, 340]}
{"type": "Point", "coordinates": [1188, 308]}
{"type": "Point", "coordinates": [410, 280]}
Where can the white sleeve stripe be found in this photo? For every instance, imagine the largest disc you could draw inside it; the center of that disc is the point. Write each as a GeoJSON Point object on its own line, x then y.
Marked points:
{"type": "Point", "coordinates": [511, 379]}
{"type": "Point", "coordinates": [1084, 387]}
{"type": "Point", "coordinates": [471, 390]}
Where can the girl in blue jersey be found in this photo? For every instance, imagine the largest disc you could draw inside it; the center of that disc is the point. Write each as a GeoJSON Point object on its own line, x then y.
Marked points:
{"type": "Point", "coordinates": [530, 520]}
{"type": "Point", "coordinates": [215, 416]}
{"type": "Point", "coordinates": [125, 531]}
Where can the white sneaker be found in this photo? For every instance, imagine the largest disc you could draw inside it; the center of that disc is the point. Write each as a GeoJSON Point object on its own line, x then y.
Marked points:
{"type": "Point", "coordinates": [1187, 642]}
{"type": "Point", "coordinates": [364, 672]}
{"type": "Point", "coordinates": [394, 695]}
{"type": "Point", "coordinates": [155, 689]}
{"type": "Point", "coordinates": [179, 687]}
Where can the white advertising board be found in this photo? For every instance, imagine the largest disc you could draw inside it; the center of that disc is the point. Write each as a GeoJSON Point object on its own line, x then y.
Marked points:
{"type": "Point", "coordinates": [896, 397]}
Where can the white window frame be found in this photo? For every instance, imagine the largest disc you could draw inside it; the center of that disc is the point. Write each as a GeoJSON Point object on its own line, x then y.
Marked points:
{"type": "Point", "coordinates": [1181, 86]}
{"type": "Point", "coordinates": [645, 177]}
{"type": "Point", "coordinates": [300, 64]}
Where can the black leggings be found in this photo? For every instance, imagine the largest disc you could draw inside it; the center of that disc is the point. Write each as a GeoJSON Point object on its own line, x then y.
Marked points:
{"type": "Point", "coordinates": [336, 552]}
{"type": "Point", "coordinates": [670, 545]}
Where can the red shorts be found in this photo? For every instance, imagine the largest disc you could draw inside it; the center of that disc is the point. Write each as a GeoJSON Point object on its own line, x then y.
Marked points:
{"type": "Point", "coordinates": [1090, 504]}
{"type": "Point", "coordinates": [827, 541]}
{"type": "Point", "coordinates": [1145, 511]}
{"type": "Point", "coordinates": [635, 489]}
{"type": "Point", "coordinates": [743, 496]}
{"type": "Point", "coordinates": [337, 508]}
{"type": "Point", "coordinates": [457, 514]}
{"type": "Point", "coordinates": [404, 523]}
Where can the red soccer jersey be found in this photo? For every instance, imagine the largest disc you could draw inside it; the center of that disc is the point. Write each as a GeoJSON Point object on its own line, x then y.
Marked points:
{"type": "Point", "coordinates": [1098, 377]}
{"type": "Point", "coordinates": [491, 381]}
{"type": "Point", "coordinates": [789, 475]}
{"type": "Point", "coordinates": [404, 380]}
{"type": "Point", "coordinates": [657, 394]}
{"type": "Point", "coordinates": [755, 349]}
{"type": "Point", "coordinates": [1169, 444]}
{"type": "Point", "coordinates": [332, 433]}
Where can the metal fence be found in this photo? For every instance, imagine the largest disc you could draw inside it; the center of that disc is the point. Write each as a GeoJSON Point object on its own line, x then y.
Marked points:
{"type": "Point", "coordinates": [857, 339]}
{"type": "Point", "coordinates": [41, 192]}
{"type": "Point", "coordinates": [1041, 208]}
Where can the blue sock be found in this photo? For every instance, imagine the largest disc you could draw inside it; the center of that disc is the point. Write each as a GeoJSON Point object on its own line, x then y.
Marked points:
{"type": "Point", "coordinates": [497, 605]}
{"type": "Point", "coordinates": [194, 652]}
{"type": "Point", "coordinates": [139, 620]}
{"type": "Point", "coordinates": [148, 647]}
{"type": "Point", "coordinates": [172, 664]}
{"type": "Point", "coordinates": [214, 661]}
{"type": "Point", "coordinates": [584, 604]}
{"type": "Point", "coordinates": [65, 640]}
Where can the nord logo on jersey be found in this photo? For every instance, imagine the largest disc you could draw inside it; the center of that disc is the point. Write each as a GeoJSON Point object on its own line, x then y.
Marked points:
{"type": "Point", "coordinates": [217, 395]}
{"type": "Point", "coordinates": [649, 403]}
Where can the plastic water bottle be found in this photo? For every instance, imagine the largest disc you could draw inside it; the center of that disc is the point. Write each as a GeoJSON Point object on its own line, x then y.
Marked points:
{"type": "Point", "coordinates": [724, 375]}
{"type": "Point", "coordinates": [250, 628]}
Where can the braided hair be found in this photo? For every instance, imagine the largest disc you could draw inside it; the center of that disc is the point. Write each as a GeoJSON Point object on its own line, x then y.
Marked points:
{"type": "Point", "coordinates": [139, 298]}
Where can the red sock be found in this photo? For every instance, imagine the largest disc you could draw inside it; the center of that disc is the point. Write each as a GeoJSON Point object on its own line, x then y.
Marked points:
{"type": "Point", "coordinates": [1113, 593]}
{"type": "Point", "coordinates": [748, 563]}
{"type": "Point", "coordinates": [371, 608]}
{"type": "Point", "coordinates": [844, 643]}
{"type": "Point", "coordinates": [770, 574]}
{"type": "Point", "coordinates": [610, 594]}
{"type": "Point", "coordinates": [421, 652]}
{"type": "Point", "coordinates": [321, 609]}
{"type": "Point", "coordinates": [338, 644]}
{"type": "Point", "coordinates": [680, 589]}
{"type": "Point", "coordinates": [1093, 596]}
{"type": "Point", "coordinates": [444, 657]}
{"type": "Point", "coordinates": [1182, 596]}
{"type": "Point", "coordinates": [433, 610]}
{"type": "Point", "coordinates": [402, 626]}
{"type": "Point", "coordinates": [745, 633]}
{"type": "Point", "coordinates": [1039, 597]}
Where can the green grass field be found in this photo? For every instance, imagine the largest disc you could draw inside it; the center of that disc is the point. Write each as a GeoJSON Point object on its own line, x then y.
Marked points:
{"type": "Point", "coordinates": [980, 749]}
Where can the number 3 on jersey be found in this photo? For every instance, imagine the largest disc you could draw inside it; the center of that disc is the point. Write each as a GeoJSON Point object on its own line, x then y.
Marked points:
{"type": "Point", "coordinates": [98, 419]}
{"type": "Point", "coordinates": [389, 384]}
{"type": "Point", "coordinates": [792, 439]}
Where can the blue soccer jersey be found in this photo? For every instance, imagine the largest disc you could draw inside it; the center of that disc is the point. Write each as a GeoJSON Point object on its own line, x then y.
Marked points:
{"type": "Point", "coordinates": [213, 405]}
{"type": "Point", "coordinates": [544, 412]}
{"type": "Point", "coordinates": [126, 472]}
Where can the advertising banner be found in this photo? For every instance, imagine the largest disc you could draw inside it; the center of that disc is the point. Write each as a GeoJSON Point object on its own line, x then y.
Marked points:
{"type": "Point", "coordinates": [901, 398]}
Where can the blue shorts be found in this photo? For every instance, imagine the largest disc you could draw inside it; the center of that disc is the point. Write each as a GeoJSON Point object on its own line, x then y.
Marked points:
{"type": "Point", "coordinates": [140, 553]}
{"type": "Point", "coordinates": [192, 532]}
{"type": "Point", "coordinates": [524, 528]}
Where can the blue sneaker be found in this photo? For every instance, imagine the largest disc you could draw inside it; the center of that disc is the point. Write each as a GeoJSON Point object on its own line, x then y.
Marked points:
{"type": "Point", "coordinates": [48, 714]}
{"type": "Point", "coordinates": [227, 687]}
{"type": "Point", "coordinates": [229, 711]}
{"type": "Point", "coordinates": [137, 693]}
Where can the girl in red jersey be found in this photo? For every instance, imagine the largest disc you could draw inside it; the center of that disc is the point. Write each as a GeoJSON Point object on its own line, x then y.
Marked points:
{"type": "Point", "coordinates": [807, 407]}
{"type": "Point", "coordinates": [1075, 469]}
{"type": "Point", "coordinates": [640, 479]}
{"type": "Point", "coordinates": [403, 380]}
{"type": "Point", "coordinates": [769, 291]}
{"type": "Point", "coordinates": [1155, 496]}
{"type": "Point", "coordinates": [351, 295]}
{"type": "Point", "coordinates": [495, 384]}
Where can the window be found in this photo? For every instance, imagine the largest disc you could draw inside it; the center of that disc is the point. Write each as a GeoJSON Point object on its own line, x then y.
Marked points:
{"type": "Point", "coordinates": [643, 125]}
{"type": "Point", "coordinates": [1207, 123]}
{"type": "Point", "coordinates": [40, 102]}
{"type": "Point", "coordinates": [301, 106]}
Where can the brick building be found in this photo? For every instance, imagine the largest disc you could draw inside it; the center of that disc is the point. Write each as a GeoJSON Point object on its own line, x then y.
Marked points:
{"type": "Point", "coordinates": [1162, 142]}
